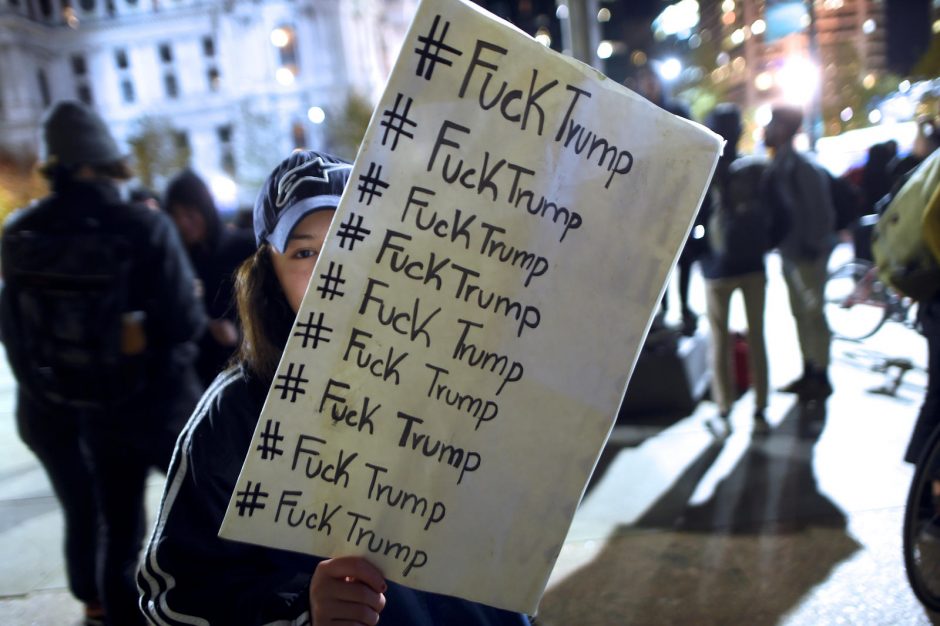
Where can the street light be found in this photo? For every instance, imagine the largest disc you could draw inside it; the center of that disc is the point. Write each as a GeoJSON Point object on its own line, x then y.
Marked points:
{"type": "Point", "coordinates": [316, 115]}
{"type": "Point", "coordinates": [798, 79]}
{"type": "Point", "coordinates": [669, 69]}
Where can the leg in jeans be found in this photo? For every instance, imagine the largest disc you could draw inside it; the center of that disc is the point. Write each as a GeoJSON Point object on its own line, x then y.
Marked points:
{"type": "Point", "coordinates": [57, 441]}
{"type": "Point", "coordinates": [120, 477]}
{"type": "Point", "coordinates": [754, 292]}
{"type": "Point", "coordinates": [718, 296]}
{"type": "Point", "coordinates": [806, 282]}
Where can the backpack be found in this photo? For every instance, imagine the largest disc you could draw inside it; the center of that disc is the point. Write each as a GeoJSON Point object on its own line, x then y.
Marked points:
{"type": "Point", "coordinates": [899, 241]}
{"type": "Point", "coordinates": [846, 201]}
{"type": "Point", "coordinates": [79, 346]}
{"type": "Point", "coordinates": [739, 228]}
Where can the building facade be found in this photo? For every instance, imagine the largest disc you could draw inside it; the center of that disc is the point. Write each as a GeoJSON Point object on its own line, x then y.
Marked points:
{"type": "Point", "coordinates": [236, 84]}
{"type": "Point", "coordinates": [838, 47]}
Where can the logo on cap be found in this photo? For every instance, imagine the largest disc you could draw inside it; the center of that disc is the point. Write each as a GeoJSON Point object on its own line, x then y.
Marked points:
{"type": "Point", "coordinates": [315, 171]}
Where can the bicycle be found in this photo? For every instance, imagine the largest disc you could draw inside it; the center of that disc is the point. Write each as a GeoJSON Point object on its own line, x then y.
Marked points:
{"type": "Point", "coordinates": [921, 534]}
{"type": "Point", "coordinates": [858, 303]}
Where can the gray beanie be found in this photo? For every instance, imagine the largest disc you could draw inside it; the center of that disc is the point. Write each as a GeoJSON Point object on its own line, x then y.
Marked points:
{"type": "Point", "coordinates": [73, 134]}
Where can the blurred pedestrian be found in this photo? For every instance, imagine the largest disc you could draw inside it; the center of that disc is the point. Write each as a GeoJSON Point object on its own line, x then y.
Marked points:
{"type": "Point", "coordinates": [876, 173]}
{"type": "Point", "coordinates": [741, 227]}
{"type": "Point", "coordinates": [648, 84]}
{"type": "Point", "coordinates": [98, 312]}
{"type": "Point", "coordinates": [925, 142]}
{"type": "Point", "coordinates": [215, 251]}
{"type": "Point", "coordinates": [802, 190]}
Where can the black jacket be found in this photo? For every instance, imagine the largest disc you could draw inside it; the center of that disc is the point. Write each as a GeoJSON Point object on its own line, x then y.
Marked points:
{"type": "Point", "coordinates": [191, 576]}
{"type": "Point", "coordinates": [216, 266]}
{"type": "Point", "coordinates": [161, 284]}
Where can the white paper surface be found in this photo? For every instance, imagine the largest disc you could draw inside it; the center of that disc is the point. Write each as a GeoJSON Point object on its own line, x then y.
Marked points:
{"type": "Point", "coordinates": [505, 236]}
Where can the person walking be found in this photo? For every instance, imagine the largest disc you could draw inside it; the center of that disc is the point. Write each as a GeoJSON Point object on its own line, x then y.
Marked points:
{"type": "Point", "coordinates": [741, 229]}
{"type": "Point", "coordinates": [98, 312]}
{"type": "Point", "coordinates": [215, 251]}
{"type": "Point", "coordinates": [802, 190]}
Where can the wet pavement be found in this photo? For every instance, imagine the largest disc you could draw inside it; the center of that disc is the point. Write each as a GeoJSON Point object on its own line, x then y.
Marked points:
{"type": "Point", "coordinates": [798, 526]}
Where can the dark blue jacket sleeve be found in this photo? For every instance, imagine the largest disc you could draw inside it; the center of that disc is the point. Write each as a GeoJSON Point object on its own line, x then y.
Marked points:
{"type": "Point", "coordinates": [188, 574]}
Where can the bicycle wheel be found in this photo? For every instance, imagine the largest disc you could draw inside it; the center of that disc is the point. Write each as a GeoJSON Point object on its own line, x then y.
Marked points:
{"type": "Point", "coordinates": [856, 301]}
{"type": "Point", "coordinates": [922, 528]}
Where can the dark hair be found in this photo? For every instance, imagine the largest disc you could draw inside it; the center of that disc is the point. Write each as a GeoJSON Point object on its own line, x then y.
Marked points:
{"type": "Point", "coordinates": [188, 189]}
{"type": "Point", "coordinates": [265, 315]}
{"type": "Point", "coordinates": [60, 175]}
{"type": "Point", "coordinates": [788, 118]}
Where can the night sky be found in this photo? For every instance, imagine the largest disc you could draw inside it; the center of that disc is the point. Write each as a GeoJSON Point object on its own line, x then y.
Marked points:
{"type": "Point", "coordinates": [908, 22]}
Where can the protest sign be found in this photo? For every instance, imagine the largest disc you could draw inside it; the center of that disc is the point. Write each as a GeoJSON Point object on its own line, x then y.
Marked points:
{"type": "Point", "coordinates": [467, 336]}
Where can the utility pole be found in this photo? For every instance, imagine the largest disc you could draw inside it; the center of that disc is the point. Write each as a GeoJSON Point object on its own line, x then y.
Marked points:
{"type": "Point", "coordinates": [814, 115]}
{"type": "Point", "coordinates": [580, 32]}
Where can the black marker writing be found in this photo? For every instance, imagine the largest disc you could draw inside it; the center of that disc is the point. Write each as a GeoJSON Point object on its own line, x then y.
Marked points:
{"type": "Point", "coordinates": [527, 315]}
{"type": "Point", "coordinates": [398, 498]}
{"type": "Point", "coordinates": [458, 458]}
{"type": "Point", "coordinates": [408, 323]}
{"type": "Point", "coordinates": [511, 105]}
{"type": "Point", "coordinates": [384, 368]}
{"type": "Point", "coordinates": [358, 535]}
{"type": "Point", "coordinates": [399, 262]}
{"type": "Point", "coordinates": [474, 356]}
{"type": "Point", "coordinates": [340, 410]}
{"type": "Point", "coordinates": [297, 516]}
{"type": "Point", "coordinates": [440, 390]}
{"type": "Point", "coordinates": [332, 473]}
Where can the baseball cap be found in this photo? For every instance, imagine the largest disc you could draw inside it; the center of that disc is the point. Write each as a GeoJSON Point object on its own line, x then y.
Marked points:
{"type": "Point", "coordinates": [305, 182]}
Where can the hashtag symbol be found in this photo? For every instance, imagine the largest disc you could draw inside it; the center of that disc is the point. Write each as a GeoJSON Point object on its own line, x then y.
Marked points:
{"type": "Point", "coordinates": [312, 331]}
{"type": "Point", "coordinates": [370, 182]}
{"type": "Point", "coordinates": [396, 121]}
{"type": "Point", "coordinates": [269, 441]}
{"type": "Point", "coordinates": [352, 231]}
{"type": "Point", "coordinates": [332, 280]}
{"type": "Point", "coordinates": [430, 59]}
{"type": "Point", "coordinates": [291, 384]}
{"type": "Point", "coordinates": [248, 499]}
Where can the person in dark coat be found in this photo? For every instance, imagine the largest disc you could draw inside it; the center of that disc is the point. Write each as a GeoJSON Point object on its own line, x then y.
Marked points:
{"type": "Point", "coordinates": [98, 449]}
{"type": "Point", "coordinates": [215, 251]}
{"type": "Point", "coordinates": [192, 576]}
{"type": "Point", "coordinates": [740, 231]}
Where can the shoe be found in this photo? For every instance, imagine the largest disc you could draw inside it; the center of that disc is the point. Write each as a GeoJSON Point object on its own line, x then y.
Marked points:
{"type": "Point", "coordinates": [94, 614]}
{"type": "Point", "coordinates": [761, 425]}
{"type": "Point", "coordinates": [795, 386]}
{"type": "Point", "coordinates": [719, 426]}
{"type": "Point", "coordinates": [816, 387]}
{"type": "Point", "coordinates": [689, 323]}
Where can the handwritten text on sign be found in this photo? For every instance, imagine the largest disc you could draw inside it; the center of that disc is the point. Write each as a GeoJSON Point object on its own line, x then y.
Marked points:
{"type": "Point", "coordinates": [470, 326]}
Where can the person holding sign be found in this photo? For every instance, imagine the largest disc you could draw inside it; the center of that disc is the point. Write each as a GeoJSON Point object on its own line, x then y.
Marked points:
{"type": "Point", "coordinates": [189, 575]}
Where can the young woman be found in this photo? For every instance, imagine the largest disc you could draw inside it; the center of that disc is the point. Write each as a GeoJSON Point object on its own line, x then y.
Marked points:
{"type": "Point", "coordinates": [191, 576]}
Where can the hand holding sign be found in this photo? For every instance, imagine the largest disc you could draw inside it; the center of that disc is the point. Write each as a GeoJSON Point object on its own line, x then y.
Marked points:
{"type": "Point", "coordinates": [458, 359]}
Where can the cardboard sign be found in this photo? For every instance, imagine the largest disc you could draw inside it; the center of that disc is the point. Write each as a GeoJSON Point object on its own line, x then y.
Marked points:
{"type": "Point", "coordinates": [472, 321]}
